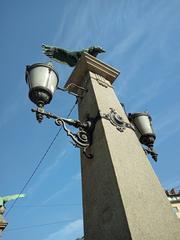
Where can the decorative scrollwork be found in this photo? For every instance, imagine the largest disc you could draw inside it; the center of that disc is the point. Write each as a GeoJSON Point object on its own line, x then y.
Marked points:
{"type": "Point", "coordinates": [116, 120]}
{"type": "Point", "coordinates": [152, 152]}
{"type": "Point", "coordinates": [81, 139]}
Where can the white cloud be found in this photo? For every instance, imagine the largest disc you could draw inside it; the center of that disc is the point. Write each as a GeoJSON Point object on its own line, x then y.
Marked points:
{"type": "Point", "coordinates": [171, 183]}
{"type": "Point", "coordinates": [8, 113]}
{"type": "Point", "coordinates": [77, 177]}
{"type": "Point", "coordinates": [66, 188]}
{"type": "Point", "coordinates": [141, 43]}
{"type": "Point", "coordinates": [44, 175]}
{"type": "Point", "coordinates": [167, 123]}
{"type": "Point", "coordinates": [143, 95]}
{"type": "Point", "coordinates": [56, 194]}
{"type": "Point", "coordinates": [71, 231]}
{"type": "Point", "coordinates": [71, 28]}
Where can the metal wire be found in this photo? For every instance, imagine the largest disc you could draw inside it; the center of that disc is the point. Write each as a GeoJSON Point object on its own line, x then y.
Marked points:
{"type": "Point", "coordinates": [39, 225]}
{"type": "Point", "coordinates": [50, 205]}
{"type": "Point", "coordinates": [40, 162]}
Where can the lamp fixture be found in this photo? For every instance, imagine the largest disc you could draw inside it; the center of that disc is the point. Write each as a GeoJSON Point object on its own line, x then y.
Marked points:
{"type": "Point", "coordinates": [43, 80]}
{"type": "Point", "coordinates": [142, 123]}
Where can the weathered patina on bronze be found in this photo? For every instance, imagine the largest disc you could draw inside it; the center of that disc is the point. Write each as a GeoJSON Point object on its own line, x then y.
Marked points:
{"type": "Point", "coordinates": [69, 57]}
{"type": "Point", "coordinates": [3, 201]}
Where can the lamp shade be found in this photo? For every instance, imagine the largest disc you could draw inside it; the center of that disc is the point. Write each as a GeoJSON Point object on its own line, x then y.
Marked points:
{"type": "Point", "coordinates": [42, 80]}
{"type": "Point", "coordinates": [142, 122]}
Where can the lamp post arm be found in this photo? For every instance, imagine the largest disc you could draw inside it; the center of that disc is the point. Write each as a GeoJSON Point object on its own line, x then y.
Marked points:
{"type": "Point", "coordinates": [71, 122]}
{"type": "Point", "coordinates": [81, 139]}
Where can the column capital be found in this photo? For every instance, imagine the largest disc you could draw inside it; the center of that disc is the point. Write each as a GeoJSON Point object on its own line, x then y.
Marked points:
{"type": "Point", "coordinates": [88, 63]}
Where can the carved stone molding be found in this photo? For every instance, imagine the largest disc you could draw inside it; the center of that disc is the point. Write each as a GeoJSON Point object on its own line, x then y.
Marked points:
{"type": "Point", "coordinates": [90, 64]}
{"type": "Point", "coordinates": [101, 80]}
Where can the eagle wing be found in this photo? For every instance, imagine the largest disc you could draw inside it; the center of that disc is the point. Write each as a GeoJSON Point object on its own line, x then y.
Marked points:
{"type": "Point", "coordinates": [60, 55]}
{"type": "Point", "coordinates": [1, 201]}
{"type": "Point", "coordinates": [12, 197]}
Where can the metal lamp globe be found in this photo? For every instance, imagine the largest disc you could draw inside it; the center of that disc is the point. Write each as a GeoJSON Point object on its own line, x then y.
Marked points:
{"type": "Point", "coordinates": [142, 122]}
{"type": "Point", "coordinates": [42, 80]}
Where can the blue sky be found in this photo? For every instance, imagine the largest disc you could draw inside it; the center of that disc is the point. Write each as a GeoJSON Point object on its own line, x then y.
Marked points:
{"type": "Point", "coordinates": [142, 40]}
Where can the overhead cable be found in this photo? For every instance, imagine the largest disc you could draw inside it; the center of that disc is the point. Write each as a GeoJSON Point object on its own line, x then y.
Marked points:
{"type": "Point", "coordinates": [50, 205]}
{"type": "Point", "coordinates": [40, 162]}
{"type": "Point", "coordinates": [39, 225]}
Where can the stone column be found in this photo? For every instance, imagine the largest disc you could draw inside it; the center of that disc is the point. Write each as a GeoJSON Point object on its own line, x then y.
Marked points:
{"type": "Point", "coordinates": [122, 197]}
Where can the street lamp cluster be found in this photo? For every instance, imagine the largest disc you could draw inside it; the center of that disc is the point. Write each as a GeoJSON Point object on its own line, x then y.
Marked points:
{"type": "Point", "coordinates": [43, 80]}
{"type": "Point", "coordinates": [118, 142]}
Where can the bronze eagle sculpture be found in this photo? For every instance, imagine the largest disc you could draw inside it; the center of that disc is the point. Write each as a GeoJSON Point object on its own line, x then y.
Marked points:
{"type": "Point", "coordinates": [4, 200]}
{"type": "Point", "coordinates": [69, 57]}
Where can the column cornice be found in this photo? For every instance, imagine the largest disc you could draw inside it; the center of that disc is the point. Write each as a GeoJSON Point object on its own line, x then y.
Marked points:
{"type": "Point", "coordinates": [88, 63]}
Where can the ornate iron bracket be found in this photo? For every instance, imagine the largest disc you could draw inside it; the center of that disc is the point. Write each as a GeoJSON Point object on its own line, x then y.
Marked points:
{"type": "Point", "coordinates": [151, 151]}
{"type": "Point", "coordinates": [81, 139]}
{"type": "Point", "coordinates": [116, 120]}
